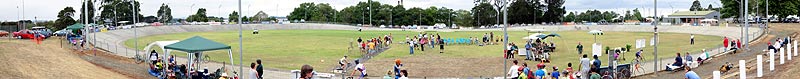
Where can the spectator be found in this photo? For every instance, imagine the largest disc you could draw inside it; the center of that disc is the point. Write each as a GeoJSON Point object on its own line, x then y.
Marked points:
{"type": "Point", "coordinates": [397, 67]}
{"type": "Point", "coordinates": [540, 72]}
{"type": "Point", "coordinates": [441, 44]}
{"type": "Point", "coordinates": [691, 40]}
{"type": "Point", "coordinates": [253, 73]}
{"type": "Point", "coordinates": [410, 45]}
{"type": "Point", "coordinates": [513, 71]}
{"type": "Point", "coordinates": [596, 64]}
{"type": "Point", "coordinates": [153, 56]}
{"type": "Point", "coordinates": [405, 74]}
{"type": "Point", "coordinates": [259, 69]}
{"type": "Point", "coordinates": [677, 64]}
{"type": "Point", "coordinates": [569, 72]}
{"type": "Point", "coordinates": [306, 72]}
{"type": "Point", "coordinates": [585, 67]}
{"type": "Point", "coordinates": [528, 50]}
{"type": "Point", "coordinates": [725, 42]}
{"type": "Point", "coordinates": [555, 74]}
{"type": "Point", "coordinates": [691, 74]}
{"type": "Point", "coordinates": [388, 75]}
{"type": "Point", "coordinates": [595, 75]}
{"type": "Point", "coordinates": [688, 57]}
{"type": "Point", "coordinates": [580, 48]}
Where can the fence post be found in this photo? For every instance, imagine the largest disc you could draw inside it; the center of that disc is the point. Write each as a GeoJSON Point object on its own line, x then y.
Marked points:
{"type": "Point", "coordinates": [771, 59]}
{"type": "Point", "coordinates": [789, 51]}
{"type": "Point", "coordinates": [759, 66]}
{"type": "Point", "coordinates": [742, 70]}
{"type": "Point", "coordinates": [795, 48]}
{"type": "Point", "coordinates": [716, 75]}
{"type": "Point", "coordinates": [782, 53]}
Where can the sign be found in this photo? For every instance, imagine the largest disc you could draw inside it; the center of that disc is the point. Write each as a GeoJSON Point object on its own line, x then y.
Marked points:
{"type": "Point", "coordinates": [597, 49]}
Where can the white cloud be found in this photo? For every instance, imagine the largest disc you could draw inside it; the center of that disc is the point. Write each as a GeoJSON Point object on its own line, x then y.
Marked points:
{"type": "Point", "coordinates": [47, 9]}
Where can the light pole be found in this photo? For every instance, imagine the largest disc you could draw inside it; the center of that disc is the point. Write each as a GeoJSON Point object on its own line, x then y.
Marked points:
{"type": "Point", "coordinates": [240, 40]}
{"type": "Point", "coordinates": [135, 35]}
{"type": "Point", "coordinates": [655, 36]}
{"type": "Point", "coordinates": [501, 6]}
{"type": "Point", "coordinates": [746, 23]}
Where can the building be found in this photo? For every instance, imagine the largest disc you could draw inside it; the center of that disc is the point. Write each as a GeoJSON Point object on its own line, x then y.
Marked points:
{"type": "Point", "coordinates": [694, 18]}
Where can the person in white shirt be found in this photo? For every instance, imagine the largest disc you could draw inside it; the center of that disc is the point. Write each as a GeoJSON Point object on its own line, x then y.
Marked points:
{"type": "Point", "coordinates": [585, 67]}
{"type": "Point", "coordinates": [691, 41]}
{"type": "Point", "coordinates": [253, 73]}
{"type": "Point", "coordinates": [513, 70]}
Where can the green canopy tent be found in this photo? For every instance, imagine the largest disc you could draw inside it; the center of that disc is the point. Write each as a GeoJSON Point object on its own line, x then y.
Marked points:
{"type": "Point", "coordinates": [75, 28]}
{"type": "Point", "coordinates": [196, 46]}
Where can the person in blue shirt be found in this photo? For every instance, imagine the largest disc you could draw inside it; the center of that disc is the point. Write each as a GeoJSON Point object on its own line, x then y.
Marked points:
{"type": "Point", "coordinates": [540, 73]}
{"type": "Point", "coordinates": [555, 74]}
{"type": "Point", "coordinates": [691, 74]}
{"type": "Point", "coordinates": [596, 64]}
{"type": "Point", "coordinates": [528, 49]}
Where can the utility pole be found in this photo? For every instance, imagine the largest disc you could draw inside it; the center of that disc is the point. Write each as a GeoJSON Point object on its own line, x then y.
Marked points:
{"type": "Point", "coordinates": [746, 23]}
{"type": "Point", "coordinates": [501, 6]}
{"type": "Point", "coordinates": [241, 70]}
{"type": "Point", "coordinates": [369, 2]}
{"type": "Point", "coordinates": [655, 37]}
{"type": "Point", "coordinates": [136, 40]}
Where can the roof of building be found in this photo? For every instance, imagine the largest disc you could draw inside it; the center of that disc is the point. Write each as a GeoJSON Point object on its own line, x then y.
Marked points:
{"type": "Point", "coordinates": [691, 13]}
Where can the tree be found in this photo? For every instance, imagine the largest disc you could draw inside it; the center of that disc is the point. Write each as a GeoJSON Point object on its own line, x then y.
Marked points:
{"type": "Point", "coordinates": [233, 17]}
{"type": "Point", "coordinates": [65, 18]}
{"type": "Point", "coordinates": [521, 11]}
{"type": "Point", "coordinates": [730, 8]}
{"type": "Point", "coordinates": [91, 10]}
{"type": "Point", "coordinates": [245, 19]}
{"type": "Point", "coordinates": [637, 15]}
{"type": "Point", "coordinates": [200, 16]}
{"type": "Point", "coordinates": [119, 10]}
{"type": "Point", "coordinates": [164, 13]}
{"type": "Point", "coordinates": [570, 17]}
{"type": "Point", "coordinates": [555, 11]}
{"type": "Point", "coordinates": [696, 6]}
{"type": "Point", "coordinates": [484, 14]}
{"type": "Point", "coordinates": [463, 18]}
{"type": "Point", "coordinates": [260, 17]}
{"type": "Point", "coordinates": [783, 8]}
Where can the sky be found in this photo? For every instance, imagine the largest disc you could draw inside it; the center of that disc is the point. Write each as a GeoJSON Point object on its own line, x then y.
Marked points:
{"type": "Point", "coordinates": [48, 9]}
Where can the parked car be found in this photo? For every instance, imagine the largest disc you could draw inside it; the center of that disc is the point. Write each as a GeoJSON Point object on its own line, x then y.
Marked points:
{"type": "Point", "coordinates": [62, 32]}
{"type": "Point", "coordinates": [24, 34]}
{"type": "Point", "coordinates": [43, 31]}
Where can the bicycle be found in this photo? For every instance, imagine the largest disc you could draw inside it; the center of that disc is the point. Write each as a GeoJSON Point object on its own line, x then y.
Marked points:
{"type": "Point", "coordinates": [637, 64]}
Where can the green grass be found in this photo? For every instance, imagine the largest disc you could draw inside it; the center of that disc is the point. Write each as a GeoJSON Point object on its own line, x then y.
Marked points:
{"type": "Point", "coordinates": [289, 49]}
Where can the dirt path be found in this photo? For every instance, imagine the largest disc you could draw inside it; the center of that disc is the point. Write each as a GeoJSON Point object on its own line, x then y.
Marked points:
{"type": "Point", "coordinates": [705, 70]}
{"type": "Point", "coordinates": [23, 59]}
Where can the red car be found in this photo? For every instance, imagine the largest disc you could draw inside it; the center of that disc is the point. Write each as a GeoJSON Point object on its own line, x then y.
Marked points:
{"type": "Point", "coordinates": [25, 34]}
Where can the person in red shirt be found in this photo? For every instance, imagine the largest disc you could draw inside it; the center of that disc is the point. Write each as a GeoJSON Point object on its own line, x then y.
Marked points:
{"type": "Point", "coordinates": [739, 43]}
{"type": "Point", "coordinates": [725, 42]}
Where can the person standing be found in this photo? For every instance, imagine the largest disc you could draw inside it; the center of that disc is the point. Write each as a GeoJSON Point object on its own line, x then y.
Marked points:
{"type": "Point", "coordinates": [260, 69]}
{"type": "Point", "coordinates": [253, 73]}
{"type": "Point", "coordinates": [596, 64]}
{"type": "Point", "coordinates": [580, 48]}
{"type": "Point", "coordinates": [725, 42]}
{"type": "Point", "coordinates": [585, 67]}
{"type": "Point", "coordinates": [410, 45]}
{"type": "Point", "coordinates": [540, 73]}
{"type": "Point", "coordinates": [397, 67]}
{"type": "Point", "coordinates": [441, 44]}
{"type": "Point", "coordinates": [555, 74]}
{"type": "Point", "coordinates": [513, 70]}
{"type": "Point", "coordinates": [691, 40]}
{"type": "Point", "coordinates": [528, 50]}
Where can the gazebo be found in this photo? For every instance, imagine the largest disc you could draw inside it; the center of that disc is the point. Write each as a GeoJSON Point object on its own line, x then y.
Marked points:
{"type": "Point", "coordinates": [196, 46]}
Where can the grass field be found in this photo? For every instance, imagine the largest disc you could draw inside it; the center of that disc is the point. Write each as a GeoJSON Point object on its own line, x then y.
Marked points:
{"type": "Point", "coordinates": [289, 49]}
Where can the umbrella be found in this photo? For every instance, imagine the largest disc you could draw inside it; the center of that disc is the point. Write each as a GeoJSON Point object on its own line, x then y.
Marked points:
{"type": "Point", "coordinates": [536, 36]}
{"type": "Point", "coordinates": [75, 28]}
{"type": "Point", "coordinates": [596, 32]}
{"type": "Point", "coordinates": [553, 34]}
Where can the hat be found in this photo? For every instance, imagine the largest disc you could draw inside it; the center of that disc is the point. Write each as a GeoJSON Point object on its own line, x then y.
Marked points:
{"type": "Point", "coordinates": [555, 68]}
{"type": "Point", "coordinates": [540, 65]}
